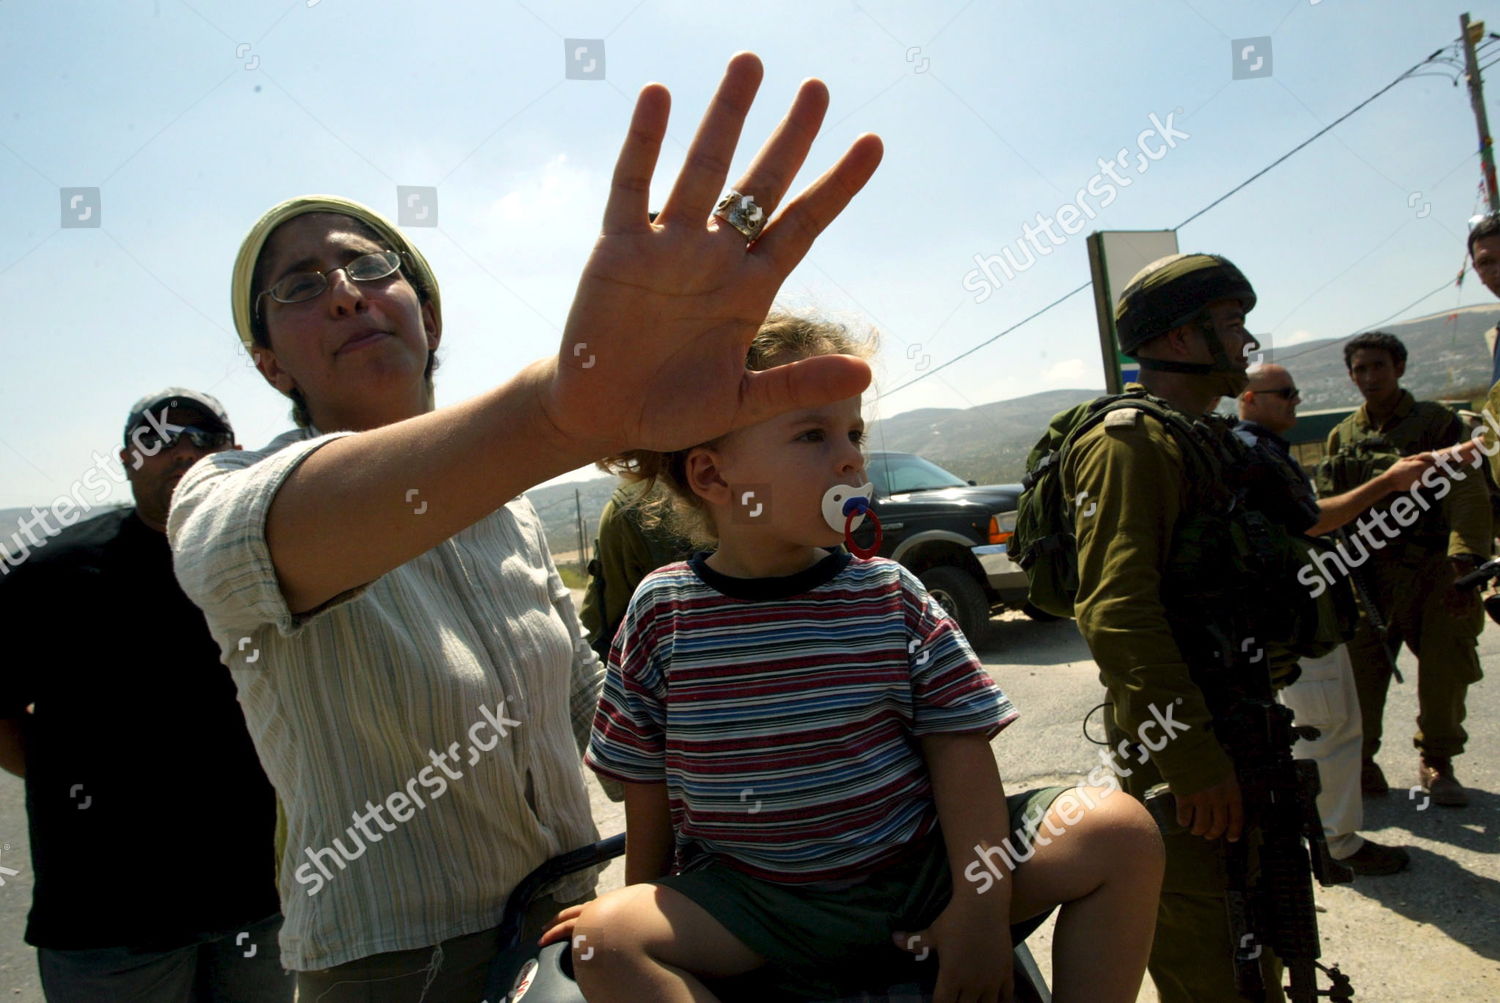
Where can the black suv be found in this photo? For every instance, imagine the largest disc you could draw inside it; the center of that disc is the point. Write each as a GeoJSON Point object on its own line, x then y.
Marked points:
{"type": "Point", "coordinates": [951, 533]}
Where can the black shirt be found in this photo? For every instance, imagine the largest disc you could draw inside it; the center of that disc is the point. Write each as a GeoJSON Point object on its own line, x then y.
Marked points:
{"type": "Point", "coordinates": [1278, 486]}
{"type": "Point", "coordinates": [152, 824]}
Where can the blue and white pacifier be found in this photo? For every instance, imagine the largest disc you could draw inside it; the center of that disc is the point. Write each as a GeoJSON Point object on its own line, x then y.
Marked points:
{"type": "Point", "coordinates": [845, 507]}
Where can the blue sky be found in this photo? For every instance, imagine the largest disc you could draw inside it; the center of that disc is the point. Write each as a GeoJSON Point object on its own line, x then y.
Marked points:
{"type": "Point", "coordinates": [191, 119]}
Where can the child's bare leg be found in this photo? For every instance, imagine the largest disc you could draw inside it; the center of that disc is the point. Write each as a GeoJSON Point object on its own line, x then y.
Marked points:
{"type": "Point", "coordinates": [645, 942]}
{"type": "Point", "coordinates": [1104, 865]}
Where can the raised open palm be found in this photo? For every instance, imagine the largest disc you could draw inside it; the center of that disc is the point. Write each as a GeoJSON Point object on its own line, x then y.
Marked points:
{"type": "Point", "coordinates": [653, 355]}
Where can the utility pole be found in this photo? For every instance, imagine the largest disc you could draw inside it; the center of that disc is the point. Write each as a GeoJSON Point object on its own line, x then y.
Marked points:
{"type": "Point", "coordinates": [583, 558]}
{"type": "Point", "coordinates": [1468, 35]}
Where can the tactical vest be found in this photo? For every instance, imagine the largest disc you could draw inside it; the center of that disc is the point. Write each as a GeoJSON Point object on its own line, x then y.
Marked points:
{"type": "Point", "coordinates": [1230, 584]}
{"type": "Point", "coordinates": [1230, 575]}
{"type": "Point", "coordinates": [1358, 460]}
{"type": "Point", "coordinates": [1262, 536]}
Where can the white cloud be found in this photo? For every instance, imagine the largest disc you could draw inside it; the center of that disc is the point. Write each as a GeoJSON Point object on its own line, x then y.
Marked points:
{"type": "Point", "coordinates": [1297, 337]}
{"type": "Point", "coordinates": [549, 200]}
{"type": "Point", "coordinates": [544, 225]}
{"type": "Point", "coordinates": [1067, 373]}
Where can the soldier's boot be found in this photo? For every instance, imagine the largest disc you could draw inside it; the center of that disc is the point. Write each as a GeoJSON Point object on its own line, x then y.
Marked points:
{"type": "Point", "coordinates": [1372, 859]}
{"type": "Point", "coordinates": [1436, 775]}
{"type": "Point", "coordinates": [1372, 780]}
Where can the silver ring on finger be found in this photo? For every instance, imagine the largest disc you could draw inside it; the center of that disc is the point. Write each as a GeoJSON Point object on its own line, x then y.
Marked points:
{"type": "Point", "coordinates": [740, 211]}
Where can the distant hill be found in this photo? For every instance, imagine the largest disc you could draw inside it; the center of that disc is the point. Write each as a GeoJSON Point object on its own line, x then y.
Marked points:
{"type": "Point", "coordinates": [10, 519]}
{"type": "Point", "coordinates": [559, 514]}
{"type": "Point", "coordinates": [1447, 360]}
{"type": "Point", "coordinates": [988, 443]}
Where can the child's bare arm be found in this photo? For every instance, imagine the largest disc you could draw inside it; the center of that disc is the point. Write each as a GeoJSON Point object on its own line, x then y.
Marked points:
{"type": "Point", "coordinates": [648, 833]}
{"type": "Point", "coordinates": [971, 809]}
{"type": "Point", "coordinates": [972, 936]}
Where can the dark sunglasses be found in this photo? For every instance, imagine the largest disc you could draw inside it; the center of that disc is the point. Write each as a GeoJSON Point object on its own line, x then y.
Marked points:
{"type": "Point", "coordinates": [201, 438]}
{"type": "Point", "coordinates": [1285, 393]}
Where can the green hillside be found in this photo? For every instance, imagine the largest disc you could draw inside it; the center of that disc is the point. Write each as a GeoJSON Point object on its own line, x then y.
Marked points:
{"type": "Point", "coordinates": [988, 443]}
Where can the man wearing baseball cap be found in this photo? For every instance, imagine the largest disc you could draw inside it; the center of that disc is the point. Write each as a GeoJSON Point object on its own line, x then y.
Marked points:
{"type": "Point", "coordinates": [152, 824]}
{"type": "Point", "coordinates": [201, 422]}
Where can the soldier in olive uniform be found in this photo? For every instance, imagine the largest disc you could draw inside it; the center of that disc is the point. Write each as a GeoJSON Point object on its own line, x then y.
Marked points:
{"type": "Point", "coordinates": [1155, 574]}
{"type": "Point", "coordinates": [633, 541]}
{"type": "Point", "coordinates": [1411, 576]}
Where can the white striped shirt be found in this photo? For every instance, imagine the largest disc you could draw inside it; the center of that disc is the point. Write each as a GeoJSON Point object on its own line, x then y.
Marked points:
{"type": "Point", "coordinates": [348, 704]}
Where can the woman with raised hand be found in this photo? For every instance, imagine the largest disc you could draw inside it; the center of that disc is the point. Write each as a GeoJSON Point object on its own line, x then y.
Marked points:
{"type": "Point", "coordinates": [409, 662]}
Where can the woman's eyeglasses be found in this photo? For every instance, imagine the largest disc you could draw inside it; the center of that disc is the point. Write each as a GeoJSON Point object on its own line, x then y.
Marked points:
{"type": "Point", "coordinates": [303, 286]}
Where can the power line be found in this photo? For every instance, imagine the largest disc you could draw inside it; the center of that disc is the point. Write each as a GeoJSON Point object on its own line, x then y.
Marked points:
{"type": "Point", "coordinates": [1321, 132]}
{"type": "Point", "coordinates": [956, 358]}
{"type": "Point", "coordinates": [1448, 283]}
{"type": "Point", "coordinates": [1066, 296]}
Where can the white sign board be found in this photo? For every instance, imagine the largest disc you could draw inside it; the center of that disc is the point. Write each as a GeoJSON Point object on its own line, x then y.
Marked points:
{"type": "Point", "coordinates": [1114, 258]}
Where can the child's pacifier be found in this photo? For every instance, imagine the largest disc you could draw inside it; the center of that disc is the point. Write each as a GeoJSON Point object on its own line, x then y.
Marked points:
{"type": "Point", "coordinates": [845, 507]}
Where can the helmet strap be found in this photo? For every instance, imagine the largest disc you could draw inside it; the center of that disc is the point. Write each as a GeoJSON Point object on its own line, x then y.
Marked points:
{"type": "Point", "coordinates": [1170, 366]}
{"type": "Point", "coordinates": [1216, 348]}
{"type": "Point", "coordinates": [1221, 364]}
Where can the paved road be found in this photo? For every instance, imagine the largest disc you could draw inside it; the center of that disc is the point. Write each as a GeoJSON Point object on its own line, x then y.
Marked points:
{"type": "Point", "coordinates": [1430, 933]}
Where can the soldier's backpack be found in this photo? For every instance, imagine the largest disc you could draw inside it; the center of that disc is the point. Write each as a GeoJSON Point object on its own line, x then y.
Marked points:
{"type": "Point", "coordinates": [1044, 544]}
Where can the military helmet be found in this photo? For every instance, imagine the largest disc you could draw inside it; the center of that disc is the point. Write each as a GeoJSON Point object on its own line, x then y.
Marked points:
{"type": "Point", "coordinates": [1171, 290]}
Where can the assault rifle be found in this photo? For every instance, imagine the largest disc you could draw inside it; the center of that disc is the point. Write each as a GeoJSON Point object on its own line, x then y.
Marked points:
{"type": "Point", "coordinates": [1270, 905]}
{"type": "Point", "coordinates": [1360, 586]}
{"type": "Point", "coordinates": [1480, 576]}
{"type": "Point", "coordinates": [1489, 569]}
{"type": "Point", "coordinates": [1274, 908]}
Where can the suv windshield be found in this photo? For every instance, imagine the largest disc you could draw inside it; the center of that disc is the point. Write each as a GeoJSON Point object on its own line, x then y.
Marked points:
{"type": "Point", "coordinates": [899, 474]}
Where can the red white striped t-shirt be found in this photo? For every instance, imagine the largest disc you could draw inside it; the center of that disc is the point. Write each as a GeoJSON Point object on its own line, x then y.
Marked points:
{"type": "Point", "coordinates": [783, 713]}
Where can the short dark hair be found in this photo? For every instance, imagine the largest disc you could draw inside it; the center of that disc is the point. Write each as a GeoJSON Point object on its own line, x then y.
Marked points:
{"type": "Point", "coordinates": [1375, 340]}
{"type": "Point", "coordinates": [1487, 227]}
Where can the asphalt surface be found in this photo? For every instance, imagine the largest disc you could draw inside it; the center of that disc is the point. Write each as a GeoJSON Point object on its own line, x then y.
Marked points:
{"type": "Point", "coordinates": [1429, 933]}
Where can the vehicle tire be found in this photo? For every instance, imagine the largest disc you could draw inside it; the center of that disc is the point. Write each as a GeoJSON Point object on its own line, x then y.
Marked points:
{"type": "Point", "coordinates": [1039, 615]}
{"type": "Point", "coordinates": [961, 597]}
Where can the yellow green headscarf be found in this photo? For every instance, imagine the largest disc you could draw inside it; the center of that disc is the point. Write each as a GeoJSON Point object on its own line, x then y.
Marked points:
{"type": "Point", "coordinates": [414, 265]}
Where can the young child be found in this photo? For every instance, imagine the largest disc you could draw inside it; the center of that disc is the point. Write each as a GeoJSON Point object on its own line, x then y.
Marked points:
{"type": "Point", "coordinates": [803, 737]}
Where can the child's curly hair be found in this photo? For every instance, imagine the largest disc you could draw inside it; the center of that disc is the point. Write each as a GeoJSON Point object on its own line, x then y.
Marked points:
{"type": "Point", "coordinates": [783, 338]}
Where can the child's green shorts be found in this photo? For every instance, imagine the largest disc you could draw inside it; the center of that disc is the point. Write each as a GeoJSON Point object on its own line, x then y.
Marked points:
{"type": "Point", "coordinates": [821, 941]}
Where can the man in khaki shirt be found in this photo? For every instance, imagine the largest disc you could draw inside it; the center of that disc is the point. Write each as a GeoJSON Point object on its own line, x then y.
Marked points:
{"type": "Point", "coordinates": [1411, 576]}
{"type": "Point", "coordinates": [1484, 252]}
{"type": "Point", "coordinates": [1137, 484]}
